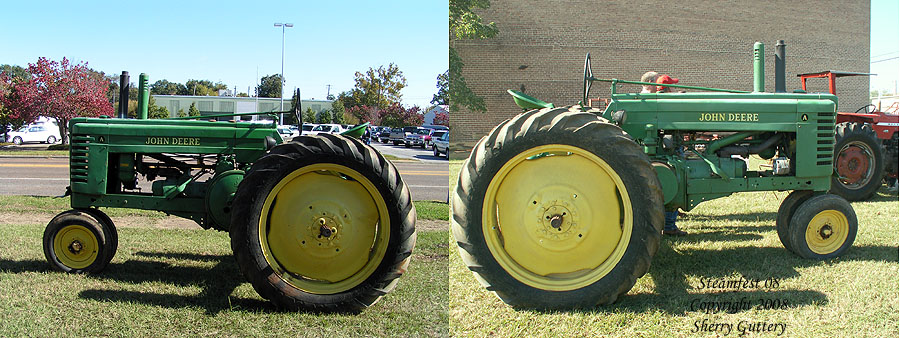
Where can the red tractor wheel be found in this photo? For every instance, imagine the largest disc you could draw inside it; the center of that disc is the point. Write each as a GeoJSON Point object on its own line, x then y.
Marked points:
{"type": "Point", "coordinates": [858, 161]}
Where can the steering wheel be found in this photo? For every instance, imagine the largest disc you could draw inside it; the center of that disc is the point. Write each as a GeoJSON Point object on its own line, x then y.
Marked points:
{"type": "Point", "coordinates": [588, 79]}
{"type": "Point", "coordinates": [866, 109]}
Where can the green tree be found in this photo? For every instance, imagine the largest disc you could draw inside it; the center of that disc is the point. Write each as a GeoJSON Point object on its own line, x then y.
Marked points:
{"type": "Point", "coordinates": [295, 102]}
{"type": "Point", "coordinates": [465, 25]}
{"type": "Point", "coordinates": [378, 87]}
{"type": "Point", "coordinates": [323, 116]}
{"type": "Point", "coordinates": [181, 113]}
{"type": "Point", "coordinates": [336, 118]}
{"type": "Point", "coordinates": [337, 109]}
{"type": "Point", "coordinates": [270, 86]}
{"type": "Point", "coordinates": [201, 88]}
{"type": "Point", "coordinates": [14, 72]}
{"type": "Point", "coordinates": [164, 87]}
{"type": "Point", "coordinates": [309, 116]}
{"type": "Point", "coordinates": [192, 110]}
{"type": "Point", "coordinates": [157, 112]}
{"type": "Point", "coordinates": [443, 83]}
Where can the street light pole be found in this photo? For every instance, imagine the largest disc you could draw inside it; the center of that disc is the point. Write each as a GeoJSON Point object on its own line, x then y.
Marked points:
{"type": "Point", "coordinates": [283, 26]}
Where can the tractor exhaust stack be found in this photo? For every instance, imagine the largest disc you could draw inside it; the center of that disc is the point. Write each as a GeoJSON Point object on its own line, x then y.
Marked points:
{"type": "Point", "coordinates": [779, 67]}
{"type": "Point", "coordinates": [124, 88]}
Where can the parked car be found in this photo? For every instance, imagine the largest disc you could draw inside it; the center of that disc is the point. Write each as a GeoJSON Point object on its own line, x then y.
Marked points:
{"type": "Point", "coordinates": [417, 137]}
{"type": "Point", "coordinates": [287, 132]}
{"type": "Point", "coordinates": [429, 139]}
{"type": "Point", "coordinates": [384, 134]}
{"type": "Point", "coordinates": [44, 132]}
{"type": "Point", "coordinates": [441, 144]}
{"type": "Point", "coordinates": [327, 129]}
{"type": "Point", "coordinates": [398, 135]}
{"type": "Point", "coordinates": [307, 128]}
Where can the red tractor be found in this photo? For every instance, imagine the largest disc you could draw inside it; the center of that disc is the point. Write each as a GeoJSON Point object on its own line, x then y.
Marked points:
{"type": "Point", "coordinates": [865, 148]}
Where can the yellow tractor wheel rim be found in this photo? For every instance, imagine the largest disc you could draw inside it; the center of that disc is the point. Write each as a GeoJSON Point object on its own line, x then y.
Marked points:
{"type": "Point", "coordinates": [827, 232]}
{"type": "Point", "coordinates": [324, 228]}
{"type": "Point", "coordinates": [557, 217]}
{"type": "Point", "coordinates": [76, 246]}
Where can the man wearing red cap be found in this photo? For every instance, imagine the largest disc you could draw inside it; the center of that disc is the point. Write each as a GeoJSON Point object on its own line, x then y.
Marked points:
{"type": "Point", "coordinates": [665, 79]}
{"type": "Point", "coordinates": [649, 77]}
{"type": "Point", "coordinates": [670, 228]}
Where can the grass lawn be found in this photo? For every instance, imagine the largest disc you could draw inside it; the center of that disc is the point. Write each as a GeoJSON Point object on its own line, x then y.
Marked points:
{"type": "Point", "coordinates": [852, 295]}
{"type": "Point", "coordinates": [32, 152]}
{"type": "Point", "coordinates": [184, 282]}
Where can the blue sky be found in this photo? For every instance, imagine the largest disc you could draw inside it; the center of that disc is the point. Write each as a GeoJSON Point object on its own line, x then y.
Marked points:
{"type": "Point", "coordinates": [233, 41]}
{"type": "Point", "coordinates": [885, 44]}
{"type": "Point", "coordinates": [228, 41]}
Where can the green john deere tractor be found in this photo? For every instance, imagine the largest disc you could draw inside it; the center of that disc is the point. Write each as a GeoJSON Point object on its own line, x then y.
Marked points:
{"type": "Point", "coordinates": [564, 207]}
{"type": "Point", "coordinates": [320, 223]}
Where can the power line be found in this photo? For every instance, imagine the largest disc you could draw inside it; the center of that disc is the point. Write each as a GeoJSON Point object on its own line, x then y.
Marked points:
{"type": "Point", "coordinates": [883, 54]}
{"type": "Point", "coordinates": [888, 59]}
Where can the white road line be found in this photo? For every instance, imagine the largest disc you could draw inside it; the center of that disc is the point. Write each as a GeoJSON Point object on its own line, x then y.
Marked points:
{"type": "Point", "coordinates": [427, 186]}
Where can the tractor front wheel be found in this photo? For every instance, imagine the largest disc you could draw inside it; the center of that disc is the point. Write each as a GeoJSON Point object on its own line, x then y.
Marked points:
{"type": "Point", "coordinates": [785, 212]}
{"type": "Point", "coordinates": [556, 208]}
{"type": "Point", "coordinates": [823, 226]}
{"type": "Point", "coordinates": [858, 161]}
{"type": "Point", "coordinates": [77, 242]}
{"type": "Point", "coordinates": [324, 223]}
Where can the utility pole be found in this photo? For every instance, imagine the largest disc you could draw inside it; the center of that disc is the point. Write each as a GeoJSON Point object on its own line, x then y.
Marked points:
{"type": "Point", "coordinates": [283, 26]}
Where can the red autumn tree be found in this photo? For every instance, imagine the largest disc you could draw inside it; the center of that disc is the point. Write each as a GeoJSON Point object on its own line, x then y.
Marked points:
{"type": "Point", "coordinates": [366, 113]}
{"type": "Point", "coordinates": [57, 89]}
{"type": "Point", "coordinates": [442, 119]}
{"type": "Point", "coordinates": [392, 116]}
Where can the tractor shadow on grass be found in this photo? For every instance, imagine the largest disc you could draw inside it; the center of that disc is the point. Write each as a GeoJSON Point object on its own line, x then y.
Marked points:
{"type": "Point", "coordinates": [674, 294]}
{"type": "Point", "coordinates": [216, 283]}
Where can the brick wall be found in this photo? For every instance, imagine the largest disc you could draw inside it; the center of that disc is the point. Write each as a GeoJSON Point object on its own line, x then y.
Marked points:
{"type": "Point", "coordinates": [542, 45]}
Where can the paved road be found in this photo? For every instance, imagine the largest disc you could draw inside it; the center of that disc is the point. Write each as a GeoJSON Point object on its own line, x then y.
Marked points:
{"type": "Point", "coordinates": [50, 176]}
{"type": "Point", "coordinates": [423, 155]}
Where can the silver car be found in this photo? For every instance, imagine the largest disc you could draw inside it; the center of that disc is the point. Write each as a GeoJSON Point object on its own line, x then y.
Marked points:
{"type": "Point", "coordinates": [441, 144]}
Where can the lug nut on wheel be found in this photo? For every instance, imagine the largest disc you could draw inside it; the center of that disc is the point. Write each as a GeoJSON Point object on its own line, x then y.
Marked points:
{"type": "Point", "coordinates": [826, 231]}
{"type": "Point", "coordinates": [75, 247]}
{"type": "Point", "coordinates": [556, 221]}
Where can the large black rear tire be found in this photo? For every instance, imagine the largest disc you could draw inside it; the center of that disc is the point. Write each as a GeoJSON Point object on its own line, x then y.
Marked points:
{"type": "Point", "coordinates": [324, 223]}
{"type": "Point", "coordinates": [858, 161]}
{"type": "Point", "coordinates": [557, 209]}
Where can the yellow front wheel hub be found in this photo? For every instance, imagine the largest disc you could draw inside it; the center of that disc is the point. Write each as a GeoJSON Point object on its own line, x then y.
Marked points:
{"type": "Point", "coordinates": [557, 217]}
{"type": "Point", "coordinates": [76, 246]}
{"type": "Point", "coordinates": [827, 232]}
{"type": "Point", "coordinates": [324, 228]}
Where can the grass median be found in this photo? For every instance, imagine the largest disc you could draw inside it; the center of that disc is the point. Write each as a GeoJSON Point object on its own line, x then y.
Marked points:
{"type": "Point", "coordinates": [729, 238]}
{"type": "Point", "coordinates": [184, 282]}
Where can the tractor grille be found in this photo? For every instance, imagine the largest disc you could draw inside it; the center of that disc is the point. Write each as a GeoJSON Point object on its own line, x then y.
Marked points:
{"type": "Point", "coordinates": [78, 158]}
{"type": "Point", "coordinates": [824, 138]}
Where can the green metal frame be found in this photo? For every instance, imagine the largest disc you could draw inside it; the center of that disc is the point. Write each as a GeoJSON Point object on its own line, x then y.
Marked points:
{"type": "Point", "coordinates": [806, 118]}
{"type": "Point", "coordinates": [103, 152]}
{"type": "Point", "coordinates": [802, 125]}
